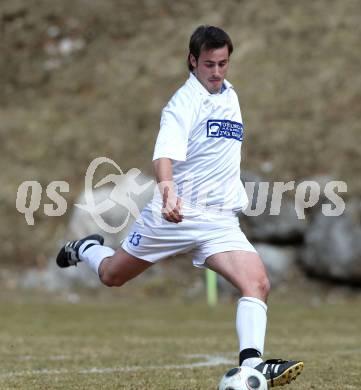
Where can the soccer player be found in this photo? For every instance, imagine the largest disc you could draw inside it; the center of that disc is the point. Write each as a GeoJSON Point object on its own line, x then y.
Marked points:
{"type": "Point", "coordinates": [197, 167]}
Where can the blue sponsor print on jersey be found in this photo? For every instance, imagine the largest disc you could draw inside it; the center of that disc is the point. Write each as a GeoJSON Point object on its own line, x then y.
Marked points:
{"type": "Point", "coordinates": [224, 128]}
{"type": "Point", "coordinates": [135, 238]}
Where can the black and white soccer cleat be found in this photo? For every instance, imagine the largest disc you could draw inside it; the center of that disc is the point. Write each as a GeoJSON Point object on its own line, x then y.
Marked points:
{"type": "Point", "coordinates": [69, 253]}
{"type": "Point", "coordinates": [280, 372]}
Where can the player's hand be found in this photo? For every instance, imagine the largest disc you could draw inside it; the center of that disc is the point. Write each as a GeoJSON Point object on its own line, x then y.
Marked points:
{"type": "Point", "coordinates": [171, 207]}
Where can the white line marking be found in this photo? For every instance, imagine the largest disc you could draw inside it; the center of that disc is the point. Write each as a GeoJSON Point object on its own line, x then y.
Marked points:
{"type": "Point", "coordinates": [33, 357]}
{"type": "Point", "coordinates": [210, 361]}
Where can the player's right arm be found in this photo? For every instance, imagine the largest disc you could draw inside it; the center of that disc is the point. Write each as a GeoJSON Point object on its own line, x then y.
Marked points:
{"type": "Point", "coordinates": [171, 145]}
{"type": "Point", "coordinates": [163, 170]}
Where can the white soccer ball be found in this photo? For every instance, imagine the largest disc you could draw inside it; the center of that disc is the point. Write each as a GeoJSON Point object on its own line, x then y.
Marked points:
{"type": "Point", "coordinates": [243, 378]}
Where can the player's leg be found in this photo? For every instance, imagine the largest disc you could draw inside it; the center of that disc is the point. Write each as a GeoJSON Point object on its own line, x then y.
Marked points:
{"type": "Point", "coordinates": [245, 270]}
{"type": "Point", "coordinates": [113, 268]}
{"type": "Point", "coordinates": [121, 267]}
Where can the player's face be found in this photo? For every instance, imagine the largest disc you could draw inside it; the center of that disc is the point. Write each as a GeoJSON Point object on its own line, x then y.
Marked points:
{"type": "Point", "coordinates": [211, 68]}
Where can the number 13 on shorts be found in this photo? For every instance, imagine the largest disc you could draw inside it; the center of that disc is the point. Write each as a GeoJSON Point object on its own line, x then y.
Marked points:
{"type": "Point", "coordinates": [135, 238]}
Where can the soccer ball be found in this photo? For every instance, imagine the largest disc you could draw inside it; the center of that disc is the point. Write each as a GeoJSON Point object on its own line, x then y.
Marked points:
{"type": "Point", "coordinates": [243, 378]}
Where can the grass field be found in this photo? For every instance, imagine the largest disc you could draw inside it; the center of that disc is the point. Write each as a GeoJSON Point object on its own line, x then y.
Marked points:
{"type": "Point", "coordinates": [118, 343]}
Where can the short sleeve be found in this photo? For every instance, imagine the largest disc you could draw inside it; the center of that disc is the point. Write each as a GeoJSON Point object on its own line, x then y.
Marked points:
{"type": "Point", "coordinates": [175, 127]}
{"type": "Point", "coordinates": [236, 104]}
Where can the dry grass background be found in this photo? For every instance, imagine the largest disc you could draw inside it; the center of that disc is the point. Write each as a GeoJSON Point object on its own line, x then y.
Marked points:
{"type": "Point", "coordinates": [295, 67]}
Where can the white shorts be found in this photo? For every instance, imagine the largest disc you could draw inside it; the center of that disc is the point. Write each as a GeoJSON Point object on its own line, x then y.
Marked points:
{"type": "Point", "coordinates": [204, 233]}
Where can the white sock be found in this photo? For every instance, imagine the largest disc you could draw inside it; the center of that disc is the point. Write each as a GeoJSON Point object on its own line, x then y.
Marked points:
{"type": "Point", "coordinates": [251, 322]}
{"type": "Point", "coordinates": [252, 362]}
{"type": "Point", "coordinates": [94, 255]}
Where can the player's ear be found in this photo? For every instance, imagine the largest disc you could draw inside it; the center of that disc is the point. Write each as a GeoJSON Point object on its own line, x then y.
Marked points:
{"type": "Point", "coordinates": [192, 60]}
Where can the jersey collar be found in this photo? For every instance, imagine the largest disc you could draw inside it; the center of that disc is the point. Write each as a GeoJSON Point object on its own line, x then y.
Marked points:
{"type": "Point", "coordinates": [200, 88]}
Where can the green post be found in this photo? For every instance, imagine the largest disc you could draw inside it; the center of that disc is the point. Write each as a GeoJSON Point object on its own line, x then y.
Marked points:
{"type": "Point", "coordinates": [212, 293]}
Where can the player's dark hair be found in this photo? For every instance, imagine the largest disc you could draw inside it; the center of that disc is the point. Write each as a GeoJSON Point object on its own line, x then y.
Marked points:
{"type": "Point", "coordinates": [207, 37]}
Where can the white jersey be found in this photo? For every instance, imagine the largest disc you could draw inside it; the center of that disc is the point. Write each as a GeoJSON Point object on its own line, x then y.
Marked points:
{"type": "Point", "coordinates": [202, 133]}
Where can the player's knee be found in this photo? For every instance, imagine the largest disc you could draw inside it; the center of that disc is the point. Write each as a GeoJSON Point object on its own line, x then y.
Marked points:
{"type": "Point", "coordinates": [258, 287]}
{"type": "Point", "coordinates": [263, 286]}
{"type": "Point", "coordinates": [110, 279]}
